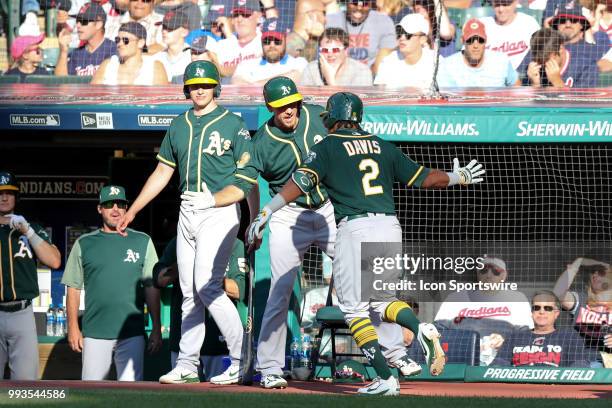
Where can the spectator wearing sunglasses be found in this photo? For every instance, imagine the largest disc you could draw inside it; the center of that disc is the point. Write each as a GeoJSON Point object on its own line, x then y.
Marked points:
{"type": "Point", "coordinates": [245, 44]}
{"type": "Point", "coordinates": [412, 64]}
{"type": "Point", "coordinates": [130, 66]}
{"type": "Point", "coordinates": [95, 48]}
{"type": "Point", "coordinates": [176, 56]}
{"type": "Point", "coordinates": [116, 272]}
{"type": "Point", "coordinates": [591, 307]}
{"type": "Point", "coordinates": [275, 60]}
{"type": "Point", "coordinates": [371, 33]}
{"type": "Point", "coordinates": [335, 67]}
{"type": "Point", "coordinates": [476, 66]}
{"type": "Point", "coordinates": [492, 314]}
{"type": "Point", "coordinates": [141, 11]}
{"type": "Point", "coordinates": [27, 57]}
{"type": "Point", "coordinates": [190, 10]}
{"type": "Point", "coordinates": [545, 345]}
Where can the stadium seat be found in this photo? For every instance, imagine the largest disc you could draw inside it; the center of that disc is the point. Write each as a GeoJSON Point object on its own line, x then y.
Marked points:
{"type": "Point", "coordinates": [605, 80]}
{"type": "Point", "coordinates": [56, 80]}
{"type": "Point", "coordinates": [9, 79]}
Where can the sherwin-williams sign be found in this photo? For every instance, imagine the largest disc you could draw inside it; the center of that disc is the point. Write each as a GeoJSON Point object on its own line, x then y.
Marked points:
{"type": "Point", "coordinates": [539, 375]}
{"type": "Point", "coordinates": [466, 125]}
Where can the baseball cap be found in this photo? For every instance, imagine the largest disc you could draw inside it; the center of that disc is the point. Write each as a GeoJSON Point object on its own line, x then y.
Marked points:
{"type": "Point", "coordinates": [414, 23]}
{"type": "Point", "coordinates": [245, 5]}
{"type": "Point", "coordinates": [281, 91]}
{"type": "Point", "coordinates": [272, 27]}
{"type": "Point", "coordinates": [8, 181]}
{"type": "Point", "coordinates": [92, 12]}
{"type": "Point", "coordinates": [112, 193]}
{"type": "Point", "coordinates": [174, 19]}
{"type": "Point", "coordinates": [570, 11]}
{"type": "Point", "coordinates": [20, 44]}
{"type": "Point", "coordinates": [135, 28]}
{"type": "Point", "coordinates": [494, 261]}
{"type": "Point", "coordinates": [473, 28]}
{"type": "Point", "coordinates": [199, 44]}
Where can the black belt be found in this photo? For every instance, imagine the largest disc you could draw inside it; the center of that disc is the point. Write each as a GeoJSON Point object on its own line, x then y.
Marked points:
{"type": "Point", "coordinates": [306, 206]}
{"type": "Point", "coordinates": [15, 306]}
{"type": "Point", "coordinates": [365, 215]}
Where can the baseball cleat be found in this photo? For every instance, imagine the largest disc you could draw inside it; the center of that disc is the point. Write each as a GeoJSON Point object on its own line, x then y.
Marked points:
{"type": "Point", "coordinates": [179, 376]}
{"type": "Point", "coordinates": [381, 387]}
{"type": "Point", "coordinates": [406, 366]}
{"type": "Point", "coordinates": [229, 376]}
{"type": "Point", "coordinates": [273, 381]}
{"type": "Point", "coordinates": [429, 339]}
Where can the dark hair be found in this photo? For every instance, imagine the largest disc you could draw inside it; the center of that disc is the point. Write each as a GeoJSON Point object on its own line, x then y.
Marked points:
{"type": "Point", "coordinates": [336, 33]}
{"type": "Point", "coordinates": [543, 43]}
{"type": "Point", "coordinates": [347, 124]}
{"type": "Point", "coordinates": [548, 294]}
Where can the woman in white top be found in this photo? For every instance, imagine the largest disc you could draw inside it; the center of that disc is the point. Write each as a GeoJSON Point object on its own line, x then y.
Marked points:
{"type": "Point", "coordinates": [130, 66]}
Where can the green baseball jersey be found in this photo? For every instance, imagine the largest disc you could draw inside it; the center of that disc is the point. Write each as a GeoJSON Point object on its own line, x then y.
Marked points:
{"type": "Point", "coordinates": [208, 148]}
{"type": "Point", "coordinates": [113, 269]}
{"type": "Point", "coordinates": [277, 154]}
{"type": "Point", "coordinates": [358, 170]}
{"type": "Point", "coordinates": [18, 276]}
{"type": "Point", "coordinates": [213, 344]}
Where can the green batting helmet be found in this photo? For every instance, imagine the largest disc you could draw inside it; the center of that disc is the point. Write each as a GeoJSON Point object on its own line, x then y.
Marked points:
{"type": "Point", "coordinates": [8, 181]}
{"type": "Point", "coordinates": [281, 91]}
{"type": "Point", "coordinates": [201, 72]}
{"type": "Point", "coordinates": [342, 106]}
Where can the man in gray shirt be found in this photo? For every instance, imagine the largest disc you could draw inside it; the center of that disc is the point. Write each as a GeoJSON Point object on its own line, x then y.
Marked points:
{"type": "Point", "coordinates": [334, 67]}
{"type": "Point", "coordinates": [371, 34]}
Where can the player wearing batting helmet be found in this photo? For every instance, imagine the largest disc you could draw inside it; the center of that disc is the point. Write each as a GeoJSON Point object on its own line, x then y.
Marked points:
{"type": "Point", "coordinates": [21, 245]}
{"type": "Point", "coordinates": [206, 145]}
{"type": "Point", "coordinates": [358, 170]}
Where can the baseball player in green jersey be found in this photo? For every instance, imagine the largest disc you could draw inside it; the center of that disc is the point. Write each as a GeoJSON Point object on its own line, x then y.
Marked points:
{"type": "Point", "coordinates": [115, 270]}
{"type": "Point", "coordinates": [21, 244]}
{"type": "Point", "coordinates": [205, 144]}
{"type": "Point", "coordinates": [279, 147]}
{"type": "Point", "coordinates": [358, 170]}
{"type": "Point", "coordinates": [214, 348]}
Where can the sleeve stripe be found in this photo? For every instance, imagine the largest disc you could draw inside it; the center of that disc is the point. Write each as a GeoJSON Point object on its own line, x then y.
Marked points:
{"type": "Point", "coordinates": [416, 175]}
{"type": "Point", "coordinates": [165, 161]}
{"type": "Point", "coordinates": [310, 171]}
{"type": "Point", "coordinates": [250, 180]}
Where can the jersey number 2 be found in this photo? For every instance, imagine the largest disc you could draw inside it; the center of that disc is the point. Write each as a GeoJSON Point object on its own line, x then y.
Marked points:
{"type": "Point", "coordinates": [371, 168]}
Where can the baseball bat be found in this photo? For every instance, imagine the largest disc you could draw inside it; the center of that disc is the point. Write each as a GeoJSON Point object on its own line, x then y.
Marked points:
{"type": "Point", "coordinates": [246, 356]}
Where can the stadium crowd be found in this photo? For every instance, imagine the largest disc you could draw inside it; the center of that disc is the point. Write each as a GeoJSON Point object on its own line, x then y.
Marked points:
{"type": "Point", "coordinates": [482, 43]}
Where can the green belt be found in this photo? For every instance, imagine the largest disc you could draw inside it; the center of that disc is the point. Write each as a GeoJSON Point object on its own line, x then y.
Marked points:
{"type": "Point", "coordinates": [366, 215]}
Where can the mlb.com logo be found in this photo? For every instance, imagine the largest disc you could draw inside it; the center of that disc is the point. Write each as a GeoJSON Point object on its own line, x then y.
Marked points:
{"type": "Point", "coordinates": [96, 120]}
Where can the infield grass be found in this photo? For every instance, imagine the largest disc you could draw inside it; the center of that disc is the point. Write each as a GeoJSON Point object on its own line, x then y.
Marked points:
{"type": "Point", "coordinates": [185, 399]}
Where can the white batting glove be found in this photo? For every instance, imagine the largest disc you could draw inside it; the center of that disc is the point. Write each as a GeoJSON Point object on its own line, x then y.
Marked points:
{"type": "Point", "coordinates": [468, 174]}
{"type": "Point", "coordinates": [198, 201]}
{"type": "Point", "coordinates": [255, 230]}
{"type": "Point", "coordinates": [19, 223]}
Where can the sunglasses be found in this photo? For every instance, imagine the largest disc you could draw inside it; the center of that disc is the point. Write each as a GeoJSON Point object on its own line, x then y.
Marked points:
{"type": "Point", "coordinates": [142, 1]}
{"type": "Point", "coordinates": [243, 14]}
{"type": "Point", "coordinates": [400, 32]}
{"type": "Point", "coordinates": [125, 40]}
{"type": "Point", "coordinates": [270, 40]}
{"type": "Point", "coordinates": [474, 39]}
{"type": "Point", "coordinates": [122, 205]}
{"type": "Point", "coordinates": [84, 21]}
{"type": "Point", "coordinates": [537, 308]}
{"type": "Point", "coordinates": [568, 20]}
{"type": "Point", "coordinates": [494, 271]}
{"type": "Point", "coordinates": [334, 50]}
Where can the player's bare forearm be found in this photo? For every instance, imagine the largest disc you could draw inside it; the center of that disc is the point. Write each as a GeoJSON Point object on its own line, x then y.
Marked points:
{"type": "Point", "coordinates": [253, 202]}
{"type": "Point", "coordinates": [231, 289]}
{"type": "Point", "coordinates": [152, 297]}
{"type": "Point", "coordinates": [48, 254]}
{"type": "Point", "coordinates": [73, 300]}
{"type": "Point", "coordinates": [228, 195]}
{"type": "Point", "coordinates": [436, 179]}
{"type": "Point", "coordinates": [290, 191]}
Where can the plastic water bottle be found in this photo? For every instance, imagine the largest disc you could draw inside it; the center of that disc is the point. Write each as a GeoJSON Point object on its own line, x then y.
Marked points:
{"type": "Point", "coordinates": [60, 322]}
{"type": "Point", "coordinates": [306, 350]}
{"type": "Point", "coordinates": [51, 321]}
{"type": "Point", "coordinates": [294, 353]}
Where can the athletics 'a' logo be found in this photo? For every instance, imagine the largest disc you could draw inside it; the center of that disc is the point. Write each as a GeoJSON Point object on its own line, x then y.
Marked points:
{"type": "Point", "coordinates": [4, 180]}
{"type": "Point", "coordinates": [131, 256]}
{"type": "Point", "coordinates": [114, 191]}
{"type": "Point", "coordinates": [199, 72]}
{"type": "Point", "coordinates": [24, 248]}
{"type": "Point", "coordinates": [285, 90]}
